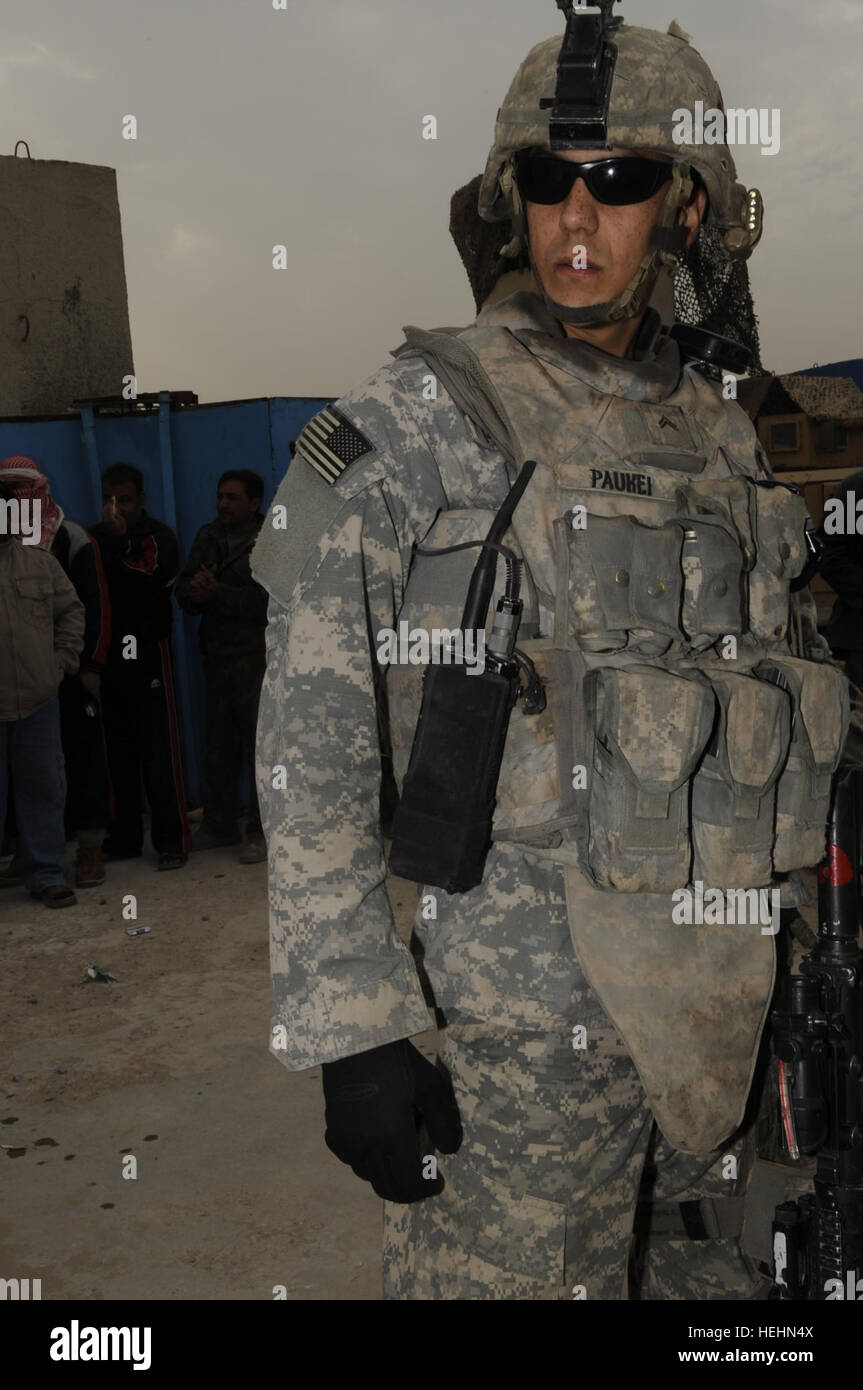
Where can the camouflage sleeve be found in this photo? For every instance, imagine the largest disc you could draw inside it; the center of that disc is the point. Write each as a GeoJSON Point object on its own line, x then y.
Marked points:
{"type": "Point", "coordinates": [343, 981]}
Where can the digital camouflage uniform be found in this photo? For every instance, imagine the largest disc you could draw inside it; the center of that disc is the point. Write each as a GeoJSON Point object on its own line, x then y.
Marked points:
{"type": "Point", "coordinates": [561, 1158]}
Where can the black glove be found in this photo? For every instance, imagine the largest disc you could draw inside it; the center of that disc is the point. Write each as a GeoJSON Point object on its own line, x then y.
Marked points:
{"type": "Point", "coordinates": [376, 1103]}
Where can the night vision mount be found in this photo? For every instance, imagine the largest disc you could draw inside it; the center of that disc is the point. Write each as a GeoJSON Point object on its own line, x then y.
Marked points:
{"type": "Point", "coordinates": [585, 67]}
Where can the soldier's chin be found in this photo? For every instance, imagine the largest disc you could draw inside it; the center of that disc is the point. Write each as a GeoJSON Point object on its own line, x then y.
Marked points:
{"type": "Point", "coordinates": [585, 286]}
{"type": "Point", "coordinates": [576, 291]}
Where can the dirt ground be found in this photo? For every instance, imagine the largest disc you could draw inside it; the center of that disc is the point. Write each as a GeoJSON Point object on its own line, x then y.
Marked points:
{"type": "Point", "coordinates": [236, 1192]}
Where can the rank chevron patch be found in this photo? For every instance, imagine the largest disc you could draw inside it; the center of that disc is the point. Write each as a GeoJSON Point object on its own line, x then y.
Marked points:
{"type": "Point", "coordinates": [329, 442]}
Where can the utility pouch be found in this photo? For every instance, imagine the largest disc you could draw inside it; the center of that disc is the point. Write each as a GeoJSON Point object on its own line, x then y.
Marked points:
{"type": "Point", "coordinates": [820, 714]}
{"type": "Point", "coordinates": [623, 576]}
{"type": "Point", "coordinates": [780, 534]}
{"type": "Point", "coordinates": [713, 569]}
{"type": "Point", "coordinates": [598, 607]}
{"type": "Point", "coordinates": [734, 790]}
{"type": "Point", "coordinates": [632, 575]}
{"type": "Point", "coordinates": [640, 582]}
{"type": "Point", "coordinates": [657, 578]}
{"type": "Point", "coordinates": [646, 731]}
{"type": "Point", "coordinates": [770, 522]}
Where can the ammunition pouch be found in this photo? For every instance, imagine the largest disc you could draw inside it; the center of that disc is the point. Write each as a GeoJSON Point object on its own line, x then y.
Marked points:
{"type": "Point", "coordinates": [647, 729]}
{"type": "Point", "coordinates": [697, 774]}
{"type": "Point", "coordinates": [821, 706]}
{"type": "Point", "coordinates": [733, 792]}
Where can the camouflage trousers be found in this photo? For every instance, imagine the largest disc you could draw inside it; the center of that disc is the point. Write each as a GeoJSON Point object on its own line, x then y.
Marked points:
{"type": "Point", "coordinates": [560, 1147]}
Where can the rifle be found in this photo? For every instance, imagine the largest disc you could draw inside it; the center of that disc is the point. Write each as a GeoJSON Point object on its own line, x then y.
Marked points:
{"type": "Point", "coordinates": [818, 1037]}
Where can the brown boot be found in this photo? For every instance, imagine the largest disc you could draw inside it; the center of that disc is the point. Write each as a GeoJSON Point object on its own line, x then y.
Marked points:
{"type": "Point", "coordinates": [89, 869]}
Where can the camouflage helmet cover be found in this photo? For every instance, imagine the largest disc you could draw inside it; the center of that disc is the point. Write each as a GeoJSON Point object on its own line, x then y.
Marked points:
{"type": "Point", "coordinates": [655, 74]}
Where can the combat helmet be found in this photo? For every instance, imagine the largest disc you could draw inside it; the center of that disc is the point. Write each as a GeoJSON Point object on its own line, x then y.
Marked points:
{"type": "Point", "coordinates": [649, 76]}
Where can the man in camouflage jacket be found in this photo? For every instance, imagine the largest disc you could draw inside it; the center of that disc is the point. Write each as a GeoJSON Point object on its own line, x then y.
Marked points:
{"type": "Point", "coordinates": [594, 1058]}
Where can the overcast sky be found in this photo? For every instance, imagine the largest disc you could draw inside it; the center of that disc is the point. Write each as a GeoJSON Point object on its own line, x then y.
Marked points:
{"type": "Point", "coordinates": [303, 126]}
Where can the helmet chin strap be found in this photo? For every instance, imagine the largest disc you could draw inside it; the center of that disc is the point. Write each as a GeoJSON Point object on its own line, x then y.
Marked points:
{"type": "Point", "coordinates": [627, 304]}
{"type": "Point", "coordinates": [668, 243]}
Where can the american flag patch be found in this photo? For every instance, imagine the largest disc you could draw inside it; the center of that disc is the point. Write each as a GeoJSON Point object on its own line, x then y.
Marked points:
{"type": "Point", "coordinates": [330, 443]}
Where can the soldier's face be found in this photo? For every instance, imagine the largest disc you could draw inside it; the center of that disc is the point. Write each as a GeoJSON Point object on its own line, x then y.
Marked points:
{"type": "Point", "coordinates": [614, 240]}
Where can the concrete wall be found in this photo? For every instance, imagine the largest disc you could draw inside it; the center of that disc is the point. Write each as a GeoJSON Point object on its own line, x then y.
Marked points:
{"type": "Point", "coordinates": [64, 318]}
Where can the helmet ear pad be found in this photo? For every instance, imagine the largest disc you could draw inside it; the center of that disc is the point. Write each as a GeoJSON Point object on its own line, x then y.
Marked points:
{"type": "Point", "coordinates": [511, 195]}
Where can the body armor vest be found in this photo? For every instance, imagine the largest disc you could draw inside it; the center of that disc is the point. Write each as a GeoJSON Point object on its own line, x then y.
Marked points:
{"type": "Point", "coordinates": [657, 556]}
{"type": "Point", "coordinates": [683, 743]}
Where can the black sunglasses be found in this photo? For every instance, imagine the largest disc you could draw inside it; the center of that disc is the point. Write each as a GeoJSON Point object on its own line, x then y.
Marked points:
{"type": "Point", "coordinates": [617, 182]}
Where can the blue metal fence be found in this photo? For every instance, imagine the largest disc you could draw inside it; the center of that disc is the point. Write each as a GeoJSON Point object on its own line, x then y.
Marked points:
{"type": "Point", "coordinates": [181, 454]}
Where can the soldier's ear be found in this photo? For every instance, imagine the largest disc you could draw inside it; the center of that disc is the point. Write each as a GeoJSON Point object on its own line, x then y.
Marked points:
{"type": "Point", "coordinates": [692, 216]}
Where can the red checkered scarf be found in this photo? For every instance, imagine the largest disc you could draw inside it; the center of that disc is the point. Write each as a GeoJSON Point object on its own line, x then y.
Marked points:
{"type": "Point", "coordinates": [24, 476]}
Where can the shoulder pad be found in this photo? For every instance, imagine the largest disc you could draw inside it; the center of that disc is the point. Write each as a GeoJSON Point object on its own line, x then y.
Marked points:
{"type": "Point", "coordinates": [330, 443]}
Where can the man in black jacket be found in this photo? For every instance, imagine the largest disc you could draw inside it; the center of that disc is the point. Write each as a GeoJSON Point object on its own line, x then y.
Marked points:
{"type": "Point", "coordinates": [217, 584]}
{"type": "Point", "coordinates": [141, 558]}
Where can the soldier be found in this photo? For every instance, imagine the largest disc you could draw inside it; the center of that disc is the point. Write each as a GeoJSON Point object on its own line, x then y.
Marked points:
{"type": "Point", "coordinates": [595, 1053]}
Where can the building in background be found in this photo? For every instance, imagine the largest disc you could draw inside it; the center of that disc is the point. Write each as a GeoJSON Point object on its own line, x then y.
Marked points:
{"type": "Point", "coordinates": [64, 322]}
{"type": "Point", "coordinates": [851, 366]}
{"type": "Point", "coordinates": [812, 430]}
